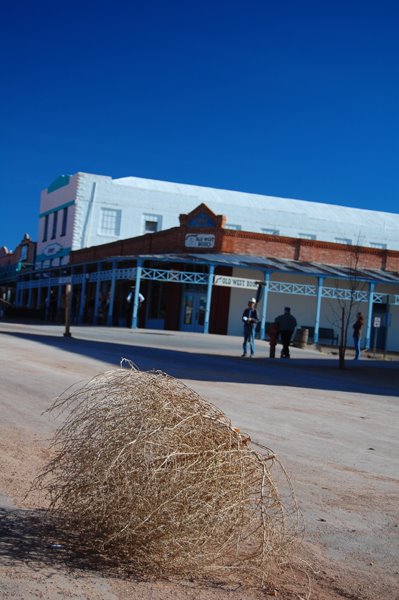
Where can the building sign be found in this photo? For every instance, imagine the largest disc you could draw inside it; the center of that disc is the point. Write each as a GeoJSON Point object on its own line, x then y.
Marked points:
{"type": "Point", "coordinates": [199, 240]}
{"type": "Point", "coordinates": [238, 282]}
{"type": "Point", "coordinates": [377, 322]}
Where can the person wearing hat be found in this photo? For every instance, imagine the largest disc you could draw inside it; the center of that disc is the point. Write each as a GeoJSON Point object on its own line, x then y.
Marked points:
{"type": "Point", "coordinates": [286, 326]}
{"type": "Point", "coordinates": [250, 319]}
{"type": "Point", "coordinates": [129, 304]}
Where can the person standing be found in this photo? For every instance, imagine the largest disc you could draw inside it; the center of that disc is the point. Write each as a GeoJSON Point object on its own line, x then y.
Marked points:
{"type": "Point", "coordinates": [250, 319]}
{"type": "Point", "coordinates": [130, 303]}
{"type": "Point", "coordinates": [286, 325]}
{"type": "Point", "coordinates": [357, 333]}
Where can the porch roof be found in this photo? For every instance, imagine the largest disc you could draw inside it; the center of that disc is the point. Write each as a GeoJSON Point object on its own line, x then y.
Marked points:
{"type": "Point", "coordinates": [274, 265]}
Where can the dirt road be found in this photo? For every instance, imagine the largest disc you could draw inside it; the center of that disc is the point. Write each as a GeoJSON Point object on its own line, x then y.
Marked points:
{"type": "Point", "coordinates": [335, 432]}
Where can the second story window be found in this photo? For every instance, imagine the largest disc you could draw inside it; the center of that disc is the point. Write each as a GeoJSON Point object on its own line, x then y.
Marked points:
{"type": "Point", "coordinates": [54, 231]}
{"type": "Point", "coordinates": [380, 245]}
{"type": "Point", "coordinates": [110, 221]}
{"type": "Point", "coordinates": [232, 226]}
{"type": "Point", "coordinates": [271, 231]}
{"type": "Point", "coordinates": [45, 229]}
{"type": "Point", "coordinates": [64, 221]}
{"type": "Point", "coordinates": [151, 223]}
{"type": "Point", "coordinates": [307, 236]}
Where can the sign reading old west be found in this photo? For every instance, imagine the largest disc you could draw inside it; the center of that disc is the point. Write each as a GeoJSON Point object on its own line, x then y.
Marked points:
{"type": "Point", "coordinates": [239, 282]}
{"type": "Point", "coordinates": [199, 240]}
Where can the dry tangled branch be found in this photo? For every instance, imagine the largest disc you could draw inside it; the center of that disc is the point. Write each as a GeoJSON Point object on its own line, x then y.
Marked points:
{"type": "Point", "coordinates": [148, 471]}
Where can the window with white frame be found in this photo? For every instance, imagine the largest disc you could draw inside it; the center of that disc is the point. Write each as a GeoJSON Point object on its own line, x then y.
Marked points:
{"type": "Point", "coordinates": [110, 221]}
{"type": "Point", "coordinates": [232, 226]}
{"type": "Point", "coordinates": [307, 236]}
{"type": "Point", "coordinates": [270, 231]}
{"type": "Point", "coordinates": [378, 245]}
{"type": "Point", "coordinates": [151, 223]}
{"type": "Point", "coordinates": [342, 240]}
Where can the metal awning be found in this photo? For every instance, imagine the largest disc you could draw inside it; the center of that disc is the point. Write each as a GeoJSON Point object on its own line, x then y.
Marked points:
{"type": "Point", "coordinates": [273, 265]}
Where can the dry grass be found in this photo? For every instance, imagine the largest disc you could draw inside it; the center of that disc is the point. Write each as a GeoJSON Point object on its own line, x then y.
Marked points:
{"type": "Point", "coordinates": [148, 471]}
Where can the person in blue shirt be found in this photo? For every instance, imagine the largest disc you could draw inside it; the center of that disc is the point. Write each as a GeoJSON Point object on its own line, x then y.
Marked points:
{"type": "Point", "coordinates": [250, 319]}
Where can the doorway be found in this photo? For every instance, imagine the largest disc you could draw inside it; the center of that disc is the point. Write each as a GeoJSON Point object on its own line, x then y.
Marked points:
{"type": "Point", "coordinates": [193, 311]}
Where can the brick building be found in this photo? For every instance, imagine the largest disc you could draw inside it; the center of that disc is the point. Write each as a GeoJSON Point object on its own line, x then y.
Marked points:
{"type": "Point", "coordinates": [84, 210]}
{"type": "Point", "coordinates": [198, 276]}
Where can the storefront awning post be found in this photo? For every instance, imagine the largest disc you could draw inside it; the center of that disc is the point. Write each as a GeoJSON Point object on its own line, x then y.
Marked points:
{"type": "Point", "coordinates": [320, 284]}
{"type": "Point", "coordinates": [112, 294]}
{"type": "Point", "coordinates": [369, 315]}
{"type": "Point", "coordinates": [136, 302]}
{"type": "Point", "coordinates": [209, 298]}
{"type": "Point", "coordinates": [97, 298]}
{"type": "Point", "coordinates": [264, 306]}
{"type": "Point", "coordinates": [83, 295]}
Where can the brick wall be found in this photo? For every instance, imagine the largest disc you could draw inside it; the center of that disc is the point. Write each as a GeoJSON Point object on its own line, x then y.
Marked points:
{"type": "Point", "coordinates": [242, 242]}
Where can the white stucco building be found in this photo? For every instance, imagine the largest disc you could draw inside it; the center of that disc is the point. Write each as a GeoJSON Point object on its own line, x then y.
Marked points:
{"type": "Point", "coordinates": [84, 210]}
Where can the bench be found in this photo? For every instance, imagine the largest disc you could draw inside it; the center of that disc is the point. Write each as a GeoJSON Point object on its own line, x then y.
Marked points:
{"type": "Point", "coordinates": [325, 333]}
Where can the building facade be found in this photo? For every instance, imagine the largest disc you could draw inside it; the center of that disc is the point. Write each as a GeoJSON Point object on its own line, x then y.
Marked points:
{"type": "Point", "coordinates": [85, 210]}
{"type": "Point", "coordinates": [198, 276]}
{"type": "Point", "coordinates": [12, 264]}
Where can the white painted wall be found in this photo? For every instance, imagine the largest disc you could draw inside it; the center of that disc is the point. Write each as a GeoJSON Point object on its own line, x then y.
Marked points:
{"type": "Point", "coordinates": [136, 197]}
{"type": "Point", "coordinates": [50, 203]}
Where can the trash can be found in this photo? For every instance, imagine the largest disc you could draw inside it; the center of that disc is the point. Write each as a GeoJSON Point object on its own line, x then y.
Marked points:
{"type": "Point", "coordinates": [301, 337]}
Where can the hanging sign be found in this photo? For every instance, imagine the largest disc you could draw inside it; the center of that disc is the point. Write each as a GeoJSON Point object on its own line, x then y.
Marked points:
{"type": "Point", "coordinates": [238, 282]}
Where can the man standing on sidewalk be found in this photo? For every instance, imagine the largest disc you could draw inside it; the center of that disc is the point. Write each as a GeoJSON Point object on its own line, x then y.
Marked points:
{"type": "Point", "coordinates": [250, 319]}
{"type": "Point", "coordinates": [286, 326]}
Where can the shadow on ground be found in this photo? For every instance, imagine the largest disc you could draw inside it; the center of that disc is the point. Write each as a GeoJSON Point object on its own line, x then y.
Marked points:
{"type": "Point", "coordinates": [37, 538]}
{"type": "Point", "coordinates": [365, 377]}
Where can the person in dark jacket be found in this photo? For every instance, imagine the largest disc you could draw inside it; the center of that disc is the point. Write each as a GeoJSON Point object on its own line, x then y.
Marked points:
{"type": "Point", "coordinates": [357, 333]}
{"type": "Point", "coordinates": [286, 325]}
{"type": "Point", "coordinates": [250, 319]}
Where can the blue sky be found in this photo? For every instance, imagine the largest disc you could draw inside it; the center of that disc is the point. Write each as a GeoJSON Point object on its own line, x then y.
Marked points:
{"type": "Point", "coordinates": [292, 98]}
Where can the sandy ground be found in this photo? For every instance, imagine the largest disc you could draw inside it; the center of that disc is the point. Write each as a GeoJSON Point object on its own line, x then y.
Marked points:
{"type": "Point", "coordinates": [336, 433]}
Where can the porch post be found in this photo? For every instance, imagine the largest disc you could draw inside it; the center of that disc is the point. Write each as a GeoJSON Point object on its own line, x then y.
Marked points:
{"type": "Point", "coordinates": [47, 300]}
{"type": "Point", "coordinates": [320, 282]}
{"type": "Point", "coordinates": [17, 292]}
{"type": "Point", "coordinates": [369, 315]}
{"type": "Point", "coordinates": [264, 306]}
{"type": "Point", "coordinates": [39, 294]}
{"type": "Point", "coordinates": [30, 281]}
{"type": "Point", "coordinates": [97, 298]}
{"type": "Point", "coordinates": [136, 293]}
{"type": "Point", "coordinates": [59, 292]}
{"type": "Point", "coordinates": [209, 298]}
{"type": "Point", "coordinates": [82, 295]}
{"type": "Point", "coordinates": [111, 294]}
